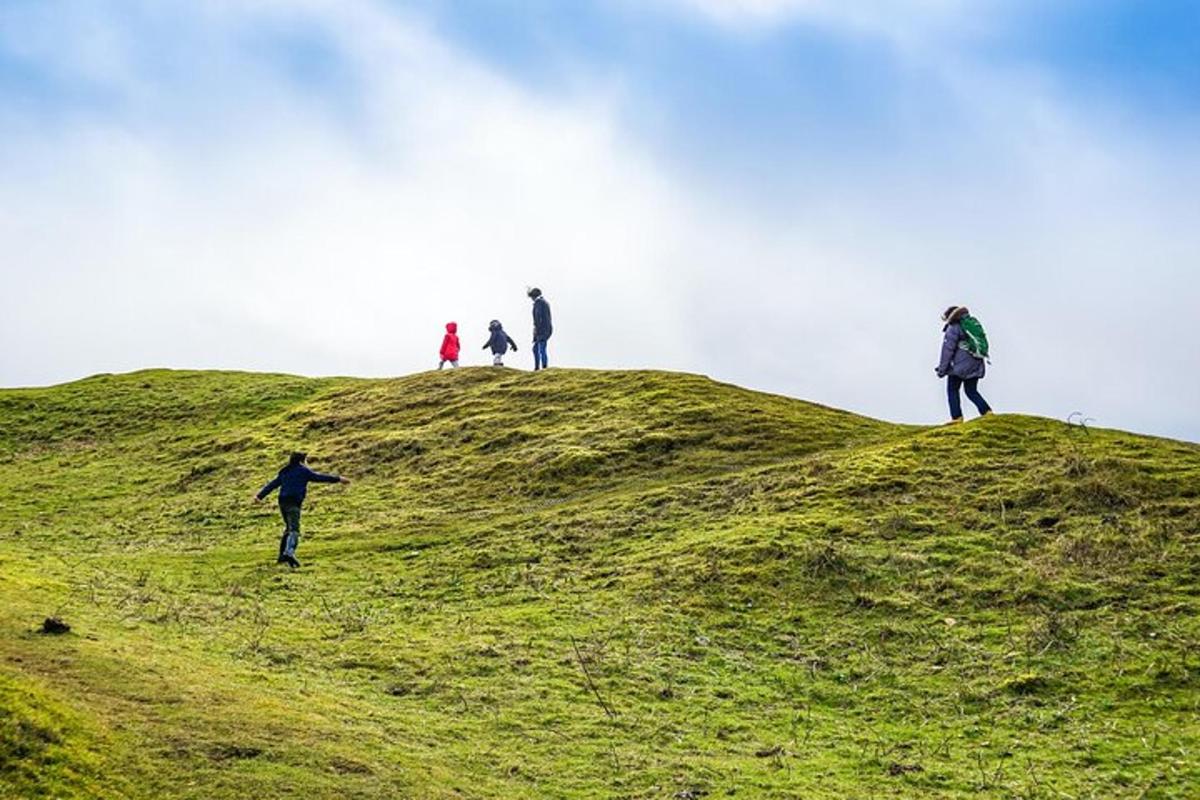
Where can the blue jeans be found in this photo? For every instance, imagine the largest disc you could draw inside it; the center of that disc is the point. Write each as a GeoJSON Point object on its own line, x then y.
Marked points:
{"type": "Point", "coordinates": [953, 384]}
{"type": "Point", "coordinates": [539, 355]}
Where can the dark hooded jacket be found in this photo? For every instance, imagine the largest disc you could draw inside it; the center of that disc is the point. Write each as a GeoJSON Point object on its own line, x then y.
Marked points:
{"type": "Point", "coordinates": [542, 328]}
{"type": "Point", "coordinates": [956, 359]}
{"type": "Point", "coordinates": [292, 482]}
{"type": "Point", "coordinates": [499, 341]}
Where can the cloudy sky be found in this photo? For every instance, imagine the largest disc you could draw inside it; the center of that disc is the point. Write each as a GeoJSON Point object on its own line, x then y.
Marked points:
{"type": "Point", "coordinates": [778, 193]}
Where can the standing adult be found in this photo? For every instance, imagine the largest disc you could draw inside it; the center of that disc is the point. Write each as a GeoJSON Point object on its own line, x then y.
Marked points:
{"type": "Point", "coordinates": [964, 348]}
{"type": "Point", "coordinates": [542, 328]}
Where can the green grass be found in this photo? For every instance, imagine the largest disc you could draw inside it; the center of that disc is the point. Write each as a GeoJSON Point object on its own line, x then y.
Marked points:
{"type": "Point", "coordinates": [586, 584]}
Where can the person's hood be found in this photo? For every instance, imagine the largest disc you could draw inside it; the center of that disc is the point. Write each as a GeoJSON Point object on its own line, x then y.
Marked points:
{"type": "Point", "coordinates": [451, 327]}
{"type": "Point", "coordinates": [494, 325]}
{"type": "Point", "coordinates": [954, 315]}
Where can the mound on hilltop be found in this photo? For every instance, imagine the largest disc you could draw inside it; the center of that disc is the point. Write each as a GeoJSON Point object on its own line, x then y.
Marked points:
{"type": "Point", "coordinates": [586, 584]}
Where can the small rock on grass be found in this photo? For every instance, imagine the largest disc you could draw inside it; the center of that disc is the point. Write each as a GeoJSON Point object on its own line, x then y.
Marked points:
{"type": "Point", "coordinates": [900, 769]}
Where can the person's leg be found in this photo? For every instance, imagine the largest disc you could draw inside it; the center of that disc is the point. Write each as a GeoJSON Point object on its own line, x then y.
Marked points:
{"type": "Point", "coordinates": [454, 363]}
{"type": "Point", "coordinates": [953, 384]}
{"type": "Point", "coordinates": [292, 514]}
{"type": "Point", "coordinates": [441, 364]}
{"type": "Point", "coordinates": [283, 540]}
{"type": "Point", "coordinates": [541, 353]}
{"type": "Point", "coordinates": [497, 360]}
{"type": "Point", "coordinates": [972, 390]}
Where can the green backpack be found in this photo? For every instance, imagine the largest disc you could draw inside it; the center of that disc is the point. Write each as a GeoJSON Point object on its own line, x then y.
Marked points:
{"type": "Point", "coordinates": [974, 339]}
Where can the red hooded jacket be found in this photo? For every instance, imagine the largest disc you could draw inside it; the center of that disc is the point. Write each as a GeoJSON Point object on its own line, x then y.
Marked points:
{"type": "Point", "coordinates": [449, 350]}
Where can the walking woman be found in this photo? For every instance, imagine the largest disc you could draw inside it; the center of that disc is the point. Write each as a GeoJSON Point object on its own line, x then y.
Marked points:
{"type": "Point", "coordinates": [292, 483]}
{"type": "Point", "coordinates": [964, 349]}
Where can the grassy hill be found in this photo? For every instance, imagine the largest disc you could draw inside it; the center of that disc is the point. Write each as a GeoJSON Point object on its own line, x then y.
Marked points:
{"type": "Point", "coordinates": [586, 584]}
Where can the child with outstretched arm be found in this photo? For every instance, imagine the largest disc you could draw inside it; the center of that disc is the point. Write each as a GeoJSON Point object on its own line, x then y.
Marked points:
{"type": "Point", "coordinates": [499, 342]}
{"type": "Point", "coordinates": [292, 483]}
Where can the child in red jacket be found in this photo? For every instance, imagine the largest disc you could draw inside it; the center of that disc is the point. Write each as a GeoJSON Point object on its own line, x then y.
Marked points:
{"type": "Point", "coordinates": [449, 350]}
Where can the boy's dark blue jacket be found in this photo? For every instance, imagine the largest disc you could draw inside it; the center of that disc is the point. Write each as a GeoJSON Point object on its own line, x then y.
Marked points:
{"type": "Point", "coordinates": [542, 328]}
{"type": "Point", "coordinates": [499, 341]}
{"type": "Point", "coordinates": [292, 482]}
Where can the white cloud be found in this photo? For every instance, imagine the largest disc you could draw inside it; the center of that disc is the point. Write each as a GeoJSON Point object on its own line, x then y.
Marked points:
{"type": "Point", "coordinates": [319, 249]}
{"type": "Point", "coordinates": [217, 213]}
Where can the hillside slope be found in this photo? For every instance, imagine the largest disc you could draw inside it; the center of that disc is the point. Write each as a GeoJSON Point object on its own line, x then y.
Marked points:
{"type": "Point", "coordinates": [586, 584]}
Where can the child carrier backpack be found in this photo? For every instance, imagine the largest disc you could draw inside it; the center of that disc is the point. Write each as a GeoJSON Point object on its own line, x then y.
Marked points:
{"type": "Point", "coordinates": [974, 339]}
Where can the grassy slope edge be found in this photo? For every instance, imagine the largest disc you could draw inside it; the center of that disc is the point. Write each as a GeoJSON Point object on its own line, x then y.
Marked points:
{"type": "Point", "coordinates": [577, 583]}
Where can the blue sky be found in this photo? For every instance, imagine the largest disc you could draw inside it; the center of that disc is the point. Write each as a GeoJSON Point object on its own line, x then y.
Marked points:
{"type": "Point", "coordinates": [781, 193]}
{"type": "Point", "coordinates": [786, 87]}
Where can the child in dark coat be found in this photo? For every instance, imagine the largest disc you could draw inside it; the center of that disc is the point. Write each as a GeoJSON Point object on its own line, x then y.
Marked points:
{"type": "Point", "coordinates": [499, 342]}
{"type": "Point", "coordinates": [292, 483]}
{"type": "Point", "coordinates": [449, 351]}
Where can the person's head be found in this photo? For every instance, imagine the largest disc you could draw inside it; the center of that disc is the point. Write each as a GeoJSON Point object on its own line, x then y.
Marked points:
{"type": "Point", "coordinates": [954, 314]}
{"type": "Point", "coordinates": [451, 327]}
{"type": "Point", "coordinates": [494, 325]}
{"type": "Point", "coordinates": [297, 458]}
{"type": "Point", "coordinates": [535, 293]}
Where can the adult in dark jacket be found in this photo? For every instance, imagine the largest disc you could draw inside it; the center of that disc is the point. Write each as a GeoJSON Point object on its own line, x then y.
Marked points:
{"type": "Point", "coordinates": [542, 329]}
{"type": "Point", "coordinates": [959, 366]}
{"type": "Point", "coordinates": [292, 483]}
{"type": "Point", "coordinates": [498, 342]}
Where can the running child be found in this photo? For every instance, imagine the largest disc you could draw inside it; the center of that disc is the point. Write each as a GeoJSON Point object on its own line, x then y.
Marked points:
{"type": "Point", "coordinates": [292, 483]}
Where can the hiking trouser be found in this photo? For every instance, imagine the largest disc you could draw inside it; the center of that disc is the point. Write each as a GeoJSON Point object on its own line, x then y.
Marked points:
{"type": "Point", "coordinates": [289, 509]}
{"type": "Point", "coordinates": [453, 362]}
{"type": "Point", "coordinates": [953, 384]}
{"type": "Point", "coordinates": [539, 355]}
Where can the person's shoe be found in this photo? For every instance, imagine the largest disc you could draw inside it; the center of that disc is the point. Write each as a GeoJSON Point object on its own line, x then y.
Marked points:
{"type": "Point", "coordinates": [987, 413]}
{"type": "Point", "coordinates": [292, 562]}
{"type": "Point", "coordinates": [955, 421]}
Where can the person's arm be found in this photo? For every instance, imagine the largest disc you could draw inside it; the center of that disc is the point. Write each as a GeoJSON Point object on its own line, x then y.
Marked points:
{"type": "Point", "coordinates": [270, 487]}
{"type": "Point", "coordinates": [486, 345]}
{"type": "Point", "coordinates": [511, 343]}
{"type": "Point", "coordinates": [320, 477]}
{"type": "Point", "coordinates": [949, 347]}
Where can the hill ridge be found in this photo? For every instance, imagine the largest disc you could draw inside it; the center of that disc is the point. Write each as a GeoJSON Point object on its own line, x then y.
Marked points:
{"type": "Point", "coordinates": [771, 597]}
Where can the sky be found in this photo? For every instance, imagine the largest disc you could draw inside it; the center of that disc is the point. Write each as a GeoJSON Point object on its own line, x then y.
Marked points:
{"type": "Point", "coordinates": [782, 194]}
